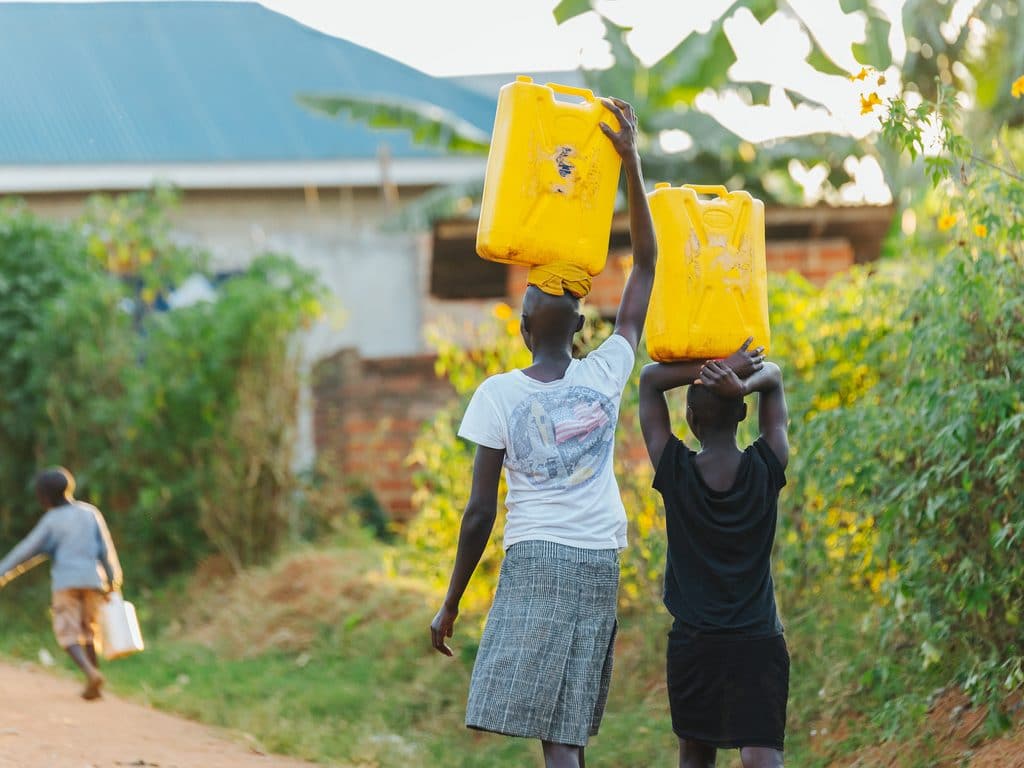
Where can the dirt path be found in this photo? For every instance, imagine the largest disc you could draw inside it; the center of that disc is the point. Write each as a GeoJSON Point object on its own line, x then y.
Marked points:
{"type": "Point", "coordinates": [44, 724]}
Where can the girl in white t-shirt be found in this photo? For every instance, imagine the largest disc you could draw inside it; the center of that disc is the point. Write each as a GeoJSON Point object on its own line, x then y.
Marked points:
{"type": "Point", "coordinates": [545, 658]}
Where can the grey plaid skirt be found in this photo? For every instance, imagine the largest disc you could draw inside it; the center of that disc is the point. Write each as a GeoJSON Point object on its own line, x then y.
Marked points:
{"type": "Point", "coordinates": [545, 659]}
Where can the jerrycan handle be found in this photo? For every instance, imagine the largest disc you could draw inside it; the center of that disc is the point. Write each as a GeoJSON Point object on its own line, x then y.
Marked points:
{"type": "Point", "coordinates": [695, 217]}
{"type": "Point", "coordinates": [708, 189]}
{"type": "Point", "coordinates": [571, 90]}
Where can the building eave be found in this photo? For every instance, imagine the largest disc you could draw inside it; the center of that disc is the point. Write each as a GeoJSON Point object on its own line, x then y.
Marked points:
{"type": "Point", "coordinates": [38, 179]}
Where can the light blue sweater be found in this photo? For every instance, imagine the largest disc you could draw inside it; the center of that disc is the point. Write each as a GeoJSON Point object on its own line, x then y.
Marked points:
{"type": "Point", "coordinates": [76, 539]}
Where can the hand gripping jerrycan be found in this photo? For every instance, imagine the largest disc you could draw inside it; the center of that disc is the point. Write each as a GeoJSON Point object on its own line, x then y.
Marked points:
{"type": "Point", "coordinates": [711, 284]}
{"type": "Point", "coordinates": [549, 191]}
{"type": "Point", "coordinates": [119, 628]}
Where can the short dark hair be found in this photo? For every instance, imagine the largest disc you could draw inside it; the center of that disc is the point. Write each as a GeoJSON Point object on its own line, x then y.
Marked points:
{"type": "Point", "coordinates": [55, 483]}
{"type": "Point", "coordinates": [713, 410]}
{"type": "Point", "coordinates": [551, 315]}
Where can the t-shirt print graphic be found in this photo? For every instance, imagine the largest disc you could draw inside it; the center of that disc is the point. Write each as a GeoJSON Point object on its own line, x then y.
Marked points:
{"type": "Point", "coordinates": [561, 440]}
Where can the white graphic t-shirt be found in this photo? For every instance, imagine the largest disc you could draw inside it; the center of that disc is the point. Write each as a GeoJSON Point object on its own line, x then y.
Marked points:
{"type": "Point", "coordinates": [559, 440]}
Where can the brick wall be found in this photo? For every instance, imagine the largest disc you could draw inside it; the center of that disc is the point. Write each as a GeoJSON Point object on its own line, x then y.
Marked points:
{"type": "Point", "coordinates": [367, 416]}
{"type": "Point", "coordinates": [817, 260]}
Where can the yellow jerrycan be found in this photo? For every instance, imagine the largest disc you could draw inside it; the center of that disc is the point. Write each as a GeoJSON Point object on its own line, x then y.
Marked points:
{"type": "Point", "coordinates": [711, 283]}
{"type": "Point", "coordinates": [549, 190]}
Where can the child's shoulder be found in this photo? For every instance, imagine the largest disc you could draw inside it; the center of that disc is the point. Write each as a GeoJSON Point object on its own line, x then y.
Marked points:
{"type": "Point", "coordinates": [85, 506]}
{"type": "Point", "coordinates": [497, 381]}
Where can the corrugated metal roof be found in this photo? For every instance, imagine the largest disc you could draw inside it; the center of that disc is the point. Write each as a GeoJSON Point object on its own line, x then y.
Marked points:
{"type": "Point", "coordinates": [188, 82]}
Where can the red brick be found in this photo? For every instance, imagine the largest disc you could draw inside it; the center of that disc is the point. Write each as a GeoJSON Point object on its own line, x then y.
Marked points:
{"type": "Point", "coordinates": [368, 414]}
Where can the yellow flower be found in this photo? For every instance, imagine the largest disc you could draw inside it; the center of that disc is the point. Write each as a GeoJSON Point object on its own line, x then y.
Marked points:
{"type": "Point", "coordinates": [312, 308]}
{"type": "Point", "coordinates": [502, 311]}
{"type": "Point", "coordinates": [947, 222]}
{"type": "Point", "coordinates": [981, 230]}
{"type": "Point", "coordinates": [148, 295]}
{"type": "Point", "coordinates": [1017, 89]}
{"type": "Point", "coordinates": [881, 79]}
{"type": "Point", "coordinates": [868, 103]}
{"type": "Point", "coordinates": [864, 72]}
{"type": "Point", "coordinates": [512, 327]}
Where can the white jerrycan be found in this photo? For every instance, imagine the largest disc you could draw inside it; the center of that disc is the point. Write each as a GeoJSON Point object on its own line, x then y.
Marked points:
{"type": "Point", "coordinates": [122, 635]}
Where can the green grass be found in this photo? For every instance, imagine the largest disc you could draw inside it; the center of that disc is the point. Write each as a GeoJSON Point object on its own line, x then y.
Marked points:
{"type": "Point", "coordinates": [372, 692]}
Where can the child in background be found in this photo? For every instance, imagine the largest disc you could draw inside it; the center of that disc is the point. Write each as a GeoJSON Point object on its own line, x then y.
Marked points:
{"type": "Point", "coordinates": [84, 568]}
{"type": "Point", "coordinates": [728, 665]}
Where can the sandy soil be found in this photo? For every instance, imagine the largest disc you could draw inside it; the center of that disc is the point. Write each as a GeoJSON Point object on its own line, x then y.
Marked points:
{"type": "Point", "coordinates": [44, 724]}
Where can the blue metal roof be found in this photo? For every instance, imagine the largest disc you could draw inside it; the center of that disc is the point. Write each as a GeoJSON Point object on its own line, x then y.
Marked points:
{"type": "Point", "coordinates": [192, 82]}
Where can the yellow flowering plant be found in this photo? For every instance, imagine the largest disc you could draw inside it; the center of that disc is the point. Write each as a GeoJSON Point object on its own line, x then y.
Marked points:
{"type": "Point", "coordinates": [942, 432]}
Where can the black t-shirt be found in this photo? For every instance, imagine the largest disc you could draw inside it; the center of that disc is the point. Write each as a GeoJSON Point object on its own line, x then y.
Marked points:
{"type": "Point", "coordinates": [718, 577]}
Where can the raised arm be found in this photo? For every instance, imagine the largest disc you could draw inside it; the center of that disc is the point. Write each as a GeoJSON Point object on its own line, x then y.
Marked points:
{"type": "Point", "coordinates": [655, 380]}
{"type": "Point", "coordinates": [629, 323]}
{"type": "Point", "coordinates": [477, 524]}
{"type": "Point", "coordinates": [772, 411]}
{"type": "Point", "coordinates": [658, 378]}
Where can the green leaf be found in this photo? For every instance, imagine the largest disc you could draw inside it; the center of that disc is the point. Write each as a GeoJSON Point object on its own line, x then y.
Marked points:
{"type": "Point", "coordinates": [439, 203]}
{"type": "Point", "coordinates": [627, 78]}
{"type": "Point", "coordinates": [570, 9]}
{"type": "Point", "coordinates": [427, 124]}
{"type": "Point", "coordinates": [697, 63]}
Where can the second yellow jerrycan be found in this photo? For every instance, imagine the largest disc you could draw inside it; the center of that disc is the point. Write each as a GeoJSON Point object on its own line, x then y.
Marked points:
{"type": "Point", "coordinates": [711, 283]}
{"type": "Point", "coordinates": [549, 192]}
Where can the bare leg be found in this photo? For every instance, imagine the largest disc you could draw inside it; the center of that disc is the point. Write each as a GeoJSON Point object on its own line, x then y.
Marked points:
{"type": "Point", "coordinates": [760, 757]}
{"type": "Point", "coordinates": [562, 755]}
{"type": "Point", "coordinates": [94, 680]}
{"type": "Point", "coordinates": [695, 754]}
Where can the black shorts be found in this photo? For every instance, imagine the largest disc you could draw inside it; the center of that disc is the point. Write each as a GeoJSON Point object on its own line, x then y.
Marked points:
{"type": "Point", "coordinates": [728, 691]}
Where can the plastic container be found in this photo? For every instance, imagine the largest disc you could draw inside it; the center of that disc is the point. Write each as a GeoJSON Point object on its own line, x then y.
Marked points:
{"type": "Point", "coordinates": [120, 628]}
{"type": "Point", "coordinates": [549, 192]}
{"type": "Point", "coordinates": [711, 284]}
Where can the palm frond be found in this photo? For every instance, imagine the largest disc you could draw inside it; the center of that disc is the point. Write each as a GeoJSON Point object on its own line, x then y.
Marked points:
{"type": "Point", "coordinates": [427, 124]}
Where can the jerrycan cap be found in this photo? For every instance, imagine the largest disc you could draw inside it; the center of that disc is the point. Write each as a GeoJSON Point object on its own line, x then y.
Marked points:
{"type": "Point", "coordinates": [524, 79]}
{"type": "Point", "coordinates": [663, 185]}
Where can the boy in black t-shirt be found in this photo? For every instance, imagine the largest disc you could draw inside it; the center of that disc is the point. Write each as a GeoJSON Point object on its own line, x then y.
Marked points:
{"type": "Point", "coordinates": [728, 666]}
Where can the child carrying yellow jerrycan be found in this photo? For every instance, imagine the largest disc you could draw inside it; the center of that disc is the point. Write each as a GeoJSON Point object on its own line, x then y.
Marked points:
{"type": "Point", "coordinates": [711, 283]}
{"type": "Point", "coordinates": [549, 192]}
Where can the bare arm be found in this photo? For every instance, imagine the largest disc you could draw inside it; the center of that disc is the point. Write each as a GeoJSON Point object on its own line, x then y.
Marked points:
{"type": "Point", "coordinates": [477, 524]}
{"type": "Point", "coordinates": [658, 378]}
{"type": "Point", "coordinates": [629, 323]}
{"type": "Point", "coordinates": [772, 411]}
{"type": "Point", "coordinates": [655, 380]}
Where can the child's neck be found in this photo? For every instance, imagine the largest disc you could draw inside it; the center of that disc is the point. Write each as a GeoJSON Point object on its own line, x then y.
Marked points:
{"type": "Point", "coordinates": [718, 442]}
{"type": "Point", "coordinates": [550, 362]}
